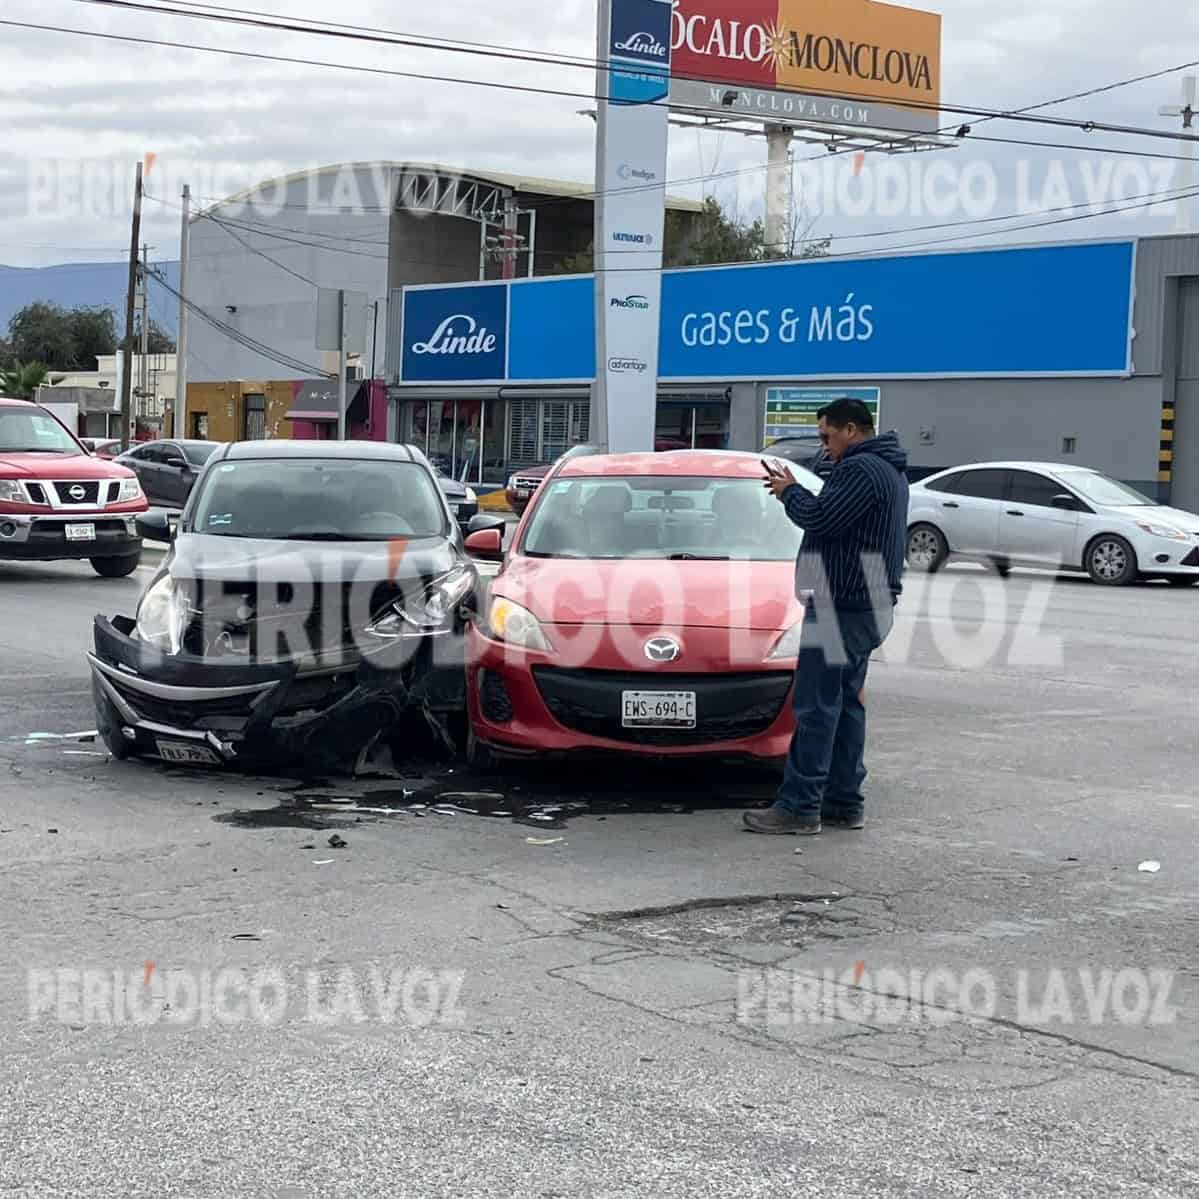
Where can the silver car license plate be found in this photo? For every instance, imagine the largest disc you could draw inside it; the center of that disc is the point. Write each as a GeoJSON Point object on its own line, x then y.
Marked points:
{"type": "Point", "coordinates": [658, 709]}
{"type": "Point", "coordinates": [81, 532]}
{"type": "Point", "coordinates": [186, 753]}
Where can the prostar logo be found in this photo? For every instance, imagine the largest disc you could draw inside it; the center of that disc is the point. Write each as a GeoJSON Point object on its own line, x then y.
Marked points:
{"type": "Point", "coordinates": [641, 303]}
{"type": "Point", "coordinates": [469, 338]}
{"type": "Point", "coordinates": [643, 44]}
{"type": "Point", "coordinates": [626, 172]}
{"type": "Point", "coordinates": [624, 366]}
{"type": "Point", "coordinates": [637, 239]}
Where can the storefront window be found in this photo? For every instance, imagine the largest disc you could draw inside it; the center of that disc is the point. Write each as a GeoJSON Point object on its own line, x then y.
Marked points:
{"type": "Point", "coordinates": [691, 426]}
{"type": "Point", "coordinates": [712, 427]}
{"type": "Point", "coordinates": [495, 429]}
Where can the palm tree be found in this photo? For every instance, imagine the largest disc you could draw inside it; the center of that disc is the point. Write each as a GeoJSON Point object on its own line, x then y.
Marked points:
{"type": "Point", "coordinates": [23, 380]}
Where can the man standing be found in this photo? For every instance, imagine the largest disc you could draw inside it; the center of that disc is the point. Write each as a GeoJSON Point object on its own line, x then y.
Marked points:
{"type": "Point", "coordinates": [848, 576]}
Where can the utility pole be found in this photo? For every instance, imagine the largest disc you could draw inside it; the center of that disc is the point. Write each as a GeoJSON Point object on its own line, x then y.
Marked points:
{"type": "Point", "coordinates": [180, 420]}
{"type": "Point", "coordinates": [778, 174]}
{"type": "Point", "coordinates": [130, 300]}
{"type": "Point", "coordinates": [143, 369]}
{"type": "Point", "coordinates": [1184, 203]}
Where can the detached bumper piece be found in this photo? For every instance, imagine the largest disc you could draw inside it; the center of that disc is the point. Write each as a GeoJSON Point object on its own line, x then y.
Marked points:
{"type": "Point", "coordinates": [193, 710]}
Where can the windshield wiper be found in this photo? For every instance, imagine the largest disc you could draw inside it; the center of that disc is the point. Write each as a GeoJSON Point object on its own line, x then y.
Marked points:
{"type": "Point", "coordinates": [698, 558]}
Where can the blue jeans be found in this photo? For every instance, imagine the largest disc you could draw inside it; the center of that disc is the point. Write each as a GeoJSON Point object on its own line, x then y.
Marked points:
{"type": "Point", "coordinates": [825, 768]}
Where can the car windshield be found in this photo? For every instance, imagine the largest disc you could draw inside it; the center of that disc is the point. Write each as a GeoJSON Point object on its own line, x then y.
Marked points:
{"type": "Point", "coordinates": [306, 499]}
{"type": "Point", "coordinates": [198, 452]}
{"type": "Point", "coordinates": [31, 431]}
{"type": "Point", "coordinates": [617, 517]}
{"type": "Point", "coordinates": [1099, 489]}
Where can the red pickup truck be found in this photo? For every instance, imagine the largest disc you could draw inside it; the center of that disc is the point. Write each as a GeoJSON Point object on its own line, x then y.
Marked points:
{"type": "Point", "coordinates": [57, 501]}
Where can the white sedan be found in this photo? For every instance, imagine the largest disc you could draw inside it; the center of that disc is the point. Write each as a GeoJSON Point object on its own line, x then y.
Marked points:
{"type": "Point", "coordinates": [1043, 514]}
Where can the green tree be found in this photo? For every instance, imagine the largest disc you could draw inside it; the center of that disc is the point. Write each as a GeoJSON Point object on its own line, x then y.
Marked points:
{"type": "Point", "coordinates": [65, 340]}
{"type": "Point", "coordinates": [158, 340]}
{"type": "Point", "coordinates": [23, 380]}
{"type": "Point", "coordinates": [93, 333]}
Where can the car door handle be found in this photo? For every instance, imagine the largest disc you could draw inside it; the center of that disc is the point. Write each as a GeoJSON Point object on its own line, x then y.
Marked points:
{"type": "Point", "coordinates": [950, 504]}
{"type": "Point", "coordinates": [1013, 512]}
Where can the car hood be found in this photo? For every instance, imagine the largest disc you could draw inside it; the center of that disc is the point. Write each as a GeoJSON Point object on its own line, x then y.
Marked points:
{"type": "Point", "coordinates": [61, 466]}
{"type": "Point", "coordinates": [1188, 522]}
{"type": "Point", "coordinates": [203, 556]}
{"type": "Point", "coordinates": [740, 595]}
{"type": "Point", "coordinates": [451, 488]}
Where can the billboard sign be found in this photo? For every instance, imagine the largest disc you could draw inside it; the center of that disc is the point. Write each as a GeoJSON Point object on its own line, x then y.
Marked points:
{"type": "Point", "coordinates": [455, 333]}
{"type": "Point", "coordinates": [791, 411]}
{"type": "Point", "coordinates": [809, 62]}
{"type": "Point", "coordinates": [1033, 311]}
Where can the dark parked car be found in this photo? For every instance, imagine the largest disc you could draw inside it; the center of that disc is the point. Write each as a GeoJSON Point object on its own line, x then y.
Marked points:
{"type": "Point", "coordinates": [168, 470]}
{"type": "Point", "coordinates": [312, 594]}
{"type": "Point", "coordinates": [463, 501]}
{"type": "Point", "coordinates": [807, 452]}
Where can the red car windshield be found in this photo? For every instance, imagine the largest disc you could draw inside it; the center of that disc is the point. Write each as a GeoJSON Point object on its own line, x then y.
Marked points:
{"type": "Point", "coordinates": [664, 518]}
{"type": "Point", "coordinates": [32, 431]}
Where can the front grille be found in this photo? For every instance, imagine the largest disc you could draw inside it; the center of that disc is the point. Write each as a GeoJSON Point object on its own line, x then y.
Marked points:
{"type": "Point", "coordinates": [728, 707]}
{"type": "Point", "coordinates": [494, 697]}
{"type": "Point", "coordinates": [527, 483]}
{"type": "Point", "coordinates": [200, 714]}
{"type": "Point", "coordinates": [91, 492]}
{"type": "Point", "coordinates": [37, 493]}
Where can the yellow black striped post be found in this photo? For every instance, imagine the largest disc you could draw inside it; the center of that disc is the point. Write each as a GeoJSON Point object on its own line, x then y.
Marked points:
{"type": "Point", "coordinates": [1165, 454]}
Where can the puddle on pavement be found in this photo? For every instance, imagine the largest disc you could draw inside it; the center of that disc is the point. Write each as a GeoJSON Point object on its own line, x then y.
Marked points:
{"type": "Point", "coordinates": [538, 796]}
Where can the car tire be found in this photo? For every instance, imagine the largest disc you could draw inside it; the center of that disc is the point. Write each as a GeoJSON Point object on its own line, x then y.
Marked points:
{"type": "Point", "coordinates": [1111, 561]}
{"type": "Point", "coordinates": [116, 568]}
{"type": "Point", "coordinates": [927, 550]}
{"type": "Point", "coordinates": [478, 755]}
{"type": "Point", "coordinates": [108, 725]}
{"type": "Point", "coordinates": [1181, 580]}
{"type": "Point", "coordinates": [1002, 566]}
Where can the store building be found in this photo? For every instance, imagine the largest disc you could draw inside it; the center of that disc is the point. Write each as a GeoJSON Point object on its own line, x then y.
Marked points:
{"type": "Point", "coordinates": [1083, 352]}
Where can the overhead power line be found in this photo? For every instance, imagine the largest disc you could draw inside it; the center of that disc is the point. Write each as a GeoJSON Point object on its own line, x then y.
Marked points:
{"type": "Point", "coordinates": [243, 18]}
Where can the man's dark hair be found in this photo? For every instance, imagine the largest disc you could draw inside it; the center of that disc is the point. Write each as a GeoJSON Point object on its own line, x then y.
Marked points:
{"type": "Point", "coordinates": [844, 412]}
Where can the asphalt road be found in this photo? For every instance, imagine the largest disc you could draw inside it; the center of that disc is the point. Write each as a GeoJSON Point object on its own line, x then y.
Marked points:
{"type": "Point", "coordinates": [621, 1005]}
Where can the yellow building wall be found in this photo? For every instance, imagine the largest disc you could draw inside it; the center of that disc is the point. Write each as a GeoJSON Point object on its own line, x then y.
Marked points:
{"type": "Point", "coordinates": [224, 406]}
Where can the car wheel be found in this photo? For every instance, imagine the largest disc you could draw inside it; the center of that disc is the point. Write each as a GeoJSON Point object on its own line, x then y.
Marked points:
{"type": "Point", "coordinates": [108, 725]}
{"type": "Point", "coordinates": [1111, 561]}
{"type": "Point", "coordinates": [1181, 580]}
{"type": "Point", "coordinates": [116, 568]}
{"type": "Point", "coordinates": [478, 755]}
{"type": "Point", "coordinates": [927, 548]}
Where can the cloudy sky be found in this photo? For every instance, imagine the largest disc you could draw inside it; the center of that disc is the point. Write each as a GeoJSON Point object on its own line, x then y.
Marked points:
{"type": "Point", "coordinates": [78, 112]}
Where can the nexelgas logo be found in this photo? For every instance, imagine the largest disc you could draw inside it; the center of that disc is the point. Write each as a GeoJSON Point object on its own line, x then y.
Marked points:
{"type": "Point", "coordinates": [643, 44]}
{"type": "Point", "coordinates": [469, 338]}
{"type": "Point", "coordinates": [639, 302]}
{"type": "Point", "coordinates": [637, 239]}
{"type": "Point", "coordinates": [626, 172]}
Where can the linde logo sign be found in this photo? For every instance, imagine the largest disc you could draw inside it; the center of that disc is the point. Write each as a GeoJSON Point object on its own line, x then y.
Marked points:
{"type": "Point", "coordinates": [643, 45]}
{"type": "Point", "coordinates": [641, 303]}
{"type": "Point", "coordinates": [627, 366]}
{"type": "Point", "coordinates": [637, 239]}
{"type": "Point", "coordinates": [458, 334]}
{"type": "Point", "coordinates": [626, 172]}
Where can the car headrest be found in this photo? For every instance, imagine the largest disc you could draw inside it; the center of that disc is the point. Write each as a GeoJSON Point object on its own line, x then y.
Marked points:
{"type": "Point", "coordinates": [611, 500]}
{"type": "Point", "coordinates": [736, 503]}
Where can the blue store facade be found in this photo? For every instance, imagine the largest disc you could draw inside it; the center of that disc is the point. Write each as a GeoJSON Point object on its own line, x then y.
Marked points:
{"type": "Point", "coordinates": [1077, 351]}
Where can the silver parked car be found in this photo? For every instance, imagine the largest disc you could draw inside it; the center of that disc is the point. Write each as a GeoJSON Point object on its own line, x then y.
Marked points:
{"type": "Point", "coordinates": [1043, 514]}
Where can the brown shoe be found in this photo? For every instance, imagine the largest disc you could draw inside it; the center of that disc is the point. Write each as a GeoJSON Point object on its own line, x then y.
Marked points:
{"type": "Point", "coordinates": [781, 822]}
{"type": "Point", "coordinates": [840, 820]}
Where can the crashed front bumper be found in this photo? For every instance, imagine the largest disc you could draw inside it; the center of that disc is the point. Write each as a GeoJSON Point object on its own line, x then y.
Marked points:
{"type": "Point", "coordinates": [186, 708]}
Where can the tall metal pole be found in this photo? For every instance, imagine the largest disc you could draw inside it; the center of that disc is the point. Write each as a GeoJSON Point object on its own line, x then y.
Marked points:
{"type": "Point", "coordinates": [510, 219]}
{"type": "Point", "coordinates": [143, 368]}
{"type": "Point", "coordinates": [341, 366]}
{"type": "Point", "coordinates": [778, 216]}
{"type": "Point", "coordinates": [130, 301]}
{"type": "Point", "coordinates": [1184, 203]}
{"type": "Point", "coordinates": [180, 421]}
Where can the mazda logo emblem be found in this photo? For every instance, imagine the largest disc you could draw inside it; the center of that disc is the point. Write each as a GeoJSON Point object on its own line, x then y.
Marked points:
{"type": "Point", "coordinates": [663, 649]}
{"type": "Point", "coordinates": [77, 492]}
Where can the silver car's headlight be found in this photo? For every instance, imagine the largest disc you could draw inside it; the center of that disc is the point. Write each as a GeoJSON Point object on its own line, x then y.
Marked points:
{"type": "Point", "coordinates": [1163, 531]}
{"type": "Point", "coordinates": [130, 490]}
{"type": "Point", "coordinates": [471, 497]}
{"type": "Point", "coordinates": [163, 614]}
{"type": "Point", "coordinates": [429, 611]}
{"type": "Point", "coordinates": [787, 646]}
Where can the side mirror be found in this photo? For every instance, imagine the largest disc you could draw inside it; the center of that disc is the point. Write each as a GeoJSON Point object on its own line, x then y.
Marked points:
{"type": "Point", "coordinates": [155, 525]}
{"type": "Point", "coordinates": [482, 523]}
{"type": "Point", "coordinates": [487, 545]}
{"type": "Point", "coordinates": [1066, 502]}
{"type": "Point", "coordinates": [175, 460]}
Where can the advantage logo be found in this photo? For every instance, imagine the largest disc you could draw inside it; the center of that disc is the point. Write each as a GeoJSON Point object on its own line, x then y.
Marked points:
{"type": "Point", "coordinates": [458, 334]}
{"type": "Point", "coordinates": [626, 366]}
{"type": "Point", "coordinates": [641, 303]}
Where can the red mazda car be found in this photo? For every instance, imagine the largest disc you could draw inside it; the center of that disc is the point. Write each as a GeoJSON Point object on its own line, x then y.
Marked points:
{"type": "Point", "coordinates": [647, 606]}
